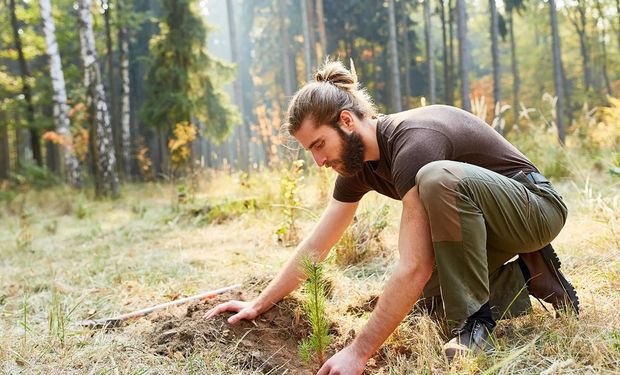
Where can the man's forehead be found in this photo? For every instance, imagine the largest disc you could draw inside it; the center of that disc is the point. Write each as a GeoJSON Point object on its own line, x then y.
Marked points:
{"type": "Point", "coordinates": [308, 134]}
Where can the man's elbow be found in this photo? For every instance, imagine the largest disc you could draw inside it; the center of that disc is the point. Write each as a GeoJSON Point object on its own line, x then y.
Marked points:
{"type": "Point", "coordinates": [419, 272]}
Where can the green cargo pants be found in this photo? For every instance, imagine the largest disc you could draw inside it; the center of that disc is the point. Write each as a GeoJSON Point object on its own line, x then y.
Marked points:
{"type": "Point", "coordinates": [479, 220]}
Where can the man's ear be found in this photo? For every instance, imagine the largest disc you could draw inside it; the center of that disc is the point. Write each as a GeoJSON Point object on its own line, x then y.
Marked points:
{"type": "Point", "coordinates": [347, 121]}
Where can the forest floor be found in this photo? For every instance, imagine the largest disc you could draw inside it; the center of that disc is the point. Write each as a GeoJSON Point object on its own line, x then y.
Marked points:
{"type": "Point", "coordinates": [65, 258]}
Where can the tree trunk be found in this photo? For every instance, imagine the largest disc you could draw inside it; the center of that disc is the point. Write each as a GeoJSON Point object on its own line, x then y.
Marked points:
{"type": "Point", "coordinates": [603, 38]}
{"type": "Point", "coordinates": [307, 45]}
{"type": "Point", "coordinates": [35, 141]}
{"type": "Point", "coordinates": [444, 45]}
{"type": "Point", "coordinates": [111, 94]}
{"type": "Point", "coordinates": [516, 81]}
{"type": "Point", "coordinates": [59, 97]}
{"type": "Point", "coordinates": [557, 71]}
{"type": "Point", "coordinates": [285, 49]}
{"type": "Point", "coordinates": [579, 22]}
{"type": "Point", "coordinates": [394, 68]}
{"type": "Point", "coordinates": [406, 60]}
{"type": "Point", "coordinates": [244, 134]}
{"type": "Point", "coordinates": [320, 14]}
{"type": "Point", "coordinates": [123, 49]}
{"type": "Point", "coordinates": [618, 18]}
{"type": "Point", "coordinates": [104, 156]}
{"type": "Point", "coordinates": [430, 53]}
{"type": "Point", "coordinates": [245, 63]}
{"type": "Point", "coordinates": [5, 160]}
{"type": "Point", "coordinates": [461, 20]}
{"type": "Point", "coordinates": [495, 52]}
{"type": "Point", "coordinates": [311, 31]}
{"type": "Point", "coordinates": [451, 72]}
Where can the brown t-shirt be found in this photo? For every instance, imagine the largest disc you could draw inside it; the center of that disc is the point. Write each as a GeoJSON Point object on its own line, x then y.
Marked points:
{"type": "Point", "coordinates": [411, 139]}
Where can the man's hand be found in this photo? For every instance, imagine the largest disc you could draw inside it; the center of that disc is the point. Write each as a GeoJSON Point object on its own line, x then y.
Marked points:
{"type": "Point", "coordinates": [244, 310]}
{"type": "Point", "coordinates": [346, 362]}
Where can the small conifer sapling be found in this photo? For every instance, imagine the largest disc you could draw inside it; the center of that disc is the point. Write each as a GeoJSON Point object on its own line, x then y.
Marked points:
{"type": "Point", "coordinates": [315, 346]}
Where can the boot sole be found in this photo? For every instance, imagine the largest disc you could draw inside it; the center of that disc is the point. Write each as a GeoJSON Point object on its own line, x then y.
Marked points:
{"type": "Point", "coordinates": [553, 261]}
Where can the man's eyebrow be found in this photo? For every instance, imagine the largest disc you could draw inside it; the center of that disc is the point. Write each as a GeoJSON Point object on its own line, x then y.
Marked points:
{"type": "Point", "coordinates": [313, 143]}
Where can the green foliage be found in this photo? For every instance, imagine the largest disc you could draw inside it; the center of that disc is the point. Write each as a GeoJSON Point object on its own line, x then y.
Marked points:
{"type": "Point", "coordinates": [23, 239]}
{"type": "Point", "coordinates": [57, 318]}
{"type": "Point", "coordinates": [216, 213]}
{"type": "Point", "coordinates": [184, 81]}
{"type": "Point", "coordinates": [361, 240]}
{"type": "Point", "coordinates": [81, 210]}
{"type": "Point", "coordinates": [315, 346]}
{"type": "Point", "coordinates": [290, 202]}
{"type": "Point", "coordinates": [31, 175]}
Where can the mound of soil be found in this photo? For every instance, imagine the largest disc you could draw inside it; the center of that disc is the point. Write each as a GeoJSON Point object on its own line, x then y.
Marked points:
{"type": "Point", "coordinates": [269, 344]}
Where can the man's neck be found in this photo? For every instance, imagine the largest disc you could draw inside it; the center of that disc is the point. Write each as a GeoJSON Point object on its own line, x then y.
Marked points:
{"type": "Point", "coordinates": [369, 137]}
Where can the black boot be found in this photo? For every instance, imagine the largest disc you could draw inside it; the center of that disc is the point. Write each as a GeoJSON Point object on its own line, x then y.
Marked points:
{"type": "Point", "coordinates": [472, 335]}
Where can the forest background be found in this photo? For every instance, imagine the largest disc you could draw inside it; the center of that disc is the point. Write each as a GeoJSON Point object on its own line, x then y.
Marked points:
{"type": "Point", "coordinates": [129, 128]}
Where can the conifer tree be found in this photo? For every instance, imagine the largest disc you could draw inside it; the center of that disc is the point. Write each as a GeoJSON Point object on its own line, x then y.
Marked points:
{"type": "Point", "coordinates": [184, 81]}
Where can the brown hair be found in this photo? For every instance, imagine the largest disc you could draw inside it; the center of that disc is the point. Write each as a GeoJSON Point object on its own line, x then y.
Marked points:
{"type": "Point", "coordinates": [333, 90]}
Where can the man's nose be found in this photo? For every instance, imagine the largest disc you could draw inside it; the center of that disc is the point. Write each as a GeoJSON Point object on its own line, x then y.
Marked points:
{"type": "Point", "coordinates": [319, 159]}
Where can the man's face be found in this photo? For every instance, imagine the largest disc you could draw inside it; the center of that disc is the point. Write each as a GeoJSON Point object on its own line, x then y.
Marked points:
{"type": "Point", "coordinates": [333, 147]}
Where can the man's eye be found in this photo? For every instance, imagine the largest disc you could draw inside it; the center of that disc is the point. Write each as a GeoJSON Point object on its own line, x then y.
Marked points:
{"type": "Point", "coordinates": [320, 145]}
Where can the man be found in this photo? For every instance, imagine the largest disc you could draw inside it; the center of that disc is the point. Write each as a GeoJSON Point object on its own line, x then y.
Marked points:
{"type": "Point", "coordinates": [471, 202]}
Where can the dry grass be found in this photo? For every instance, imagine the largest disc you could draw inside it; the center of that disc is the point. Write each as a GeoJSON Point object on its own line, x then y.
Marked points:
{"type": "Point", "coordinates": [65, 258]}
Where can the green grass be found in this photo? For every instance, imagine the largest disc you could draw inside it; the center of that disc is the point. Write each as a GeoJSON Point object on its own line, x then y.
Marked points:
{"type": "Point", "coordinates": [65, 257]}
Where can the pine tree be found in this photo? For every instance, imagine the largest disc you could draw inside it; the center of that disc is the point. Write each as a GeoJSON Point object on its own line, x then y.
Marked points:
{"type": "Point", "coordinates": [315, 346]}
{"type": "Point", "coordinates": [184, 81]}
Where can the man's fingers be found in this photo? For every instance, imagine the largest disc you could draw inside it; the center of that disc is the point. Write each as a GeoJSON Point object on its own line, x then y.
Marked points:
{"type": "Point", "coordinates": [243, 314]}
{"type": "Point", "coordinates": [324, 370]}
{"type": "Point", "coordinates": [217, 310]}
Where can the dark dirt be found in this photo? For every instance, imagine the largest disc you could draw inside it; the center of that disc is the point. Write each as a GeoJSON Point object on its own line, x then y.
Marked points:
{"type": "Point", "coordinates": [269, 344]}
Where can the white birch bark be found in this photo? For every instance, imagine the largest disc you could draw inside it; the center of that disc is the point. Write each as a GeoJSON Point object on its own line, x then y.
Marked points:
{"type": "Point", "coordinates": [105, 160]}
{"type": "Point", "coordinates": [59, 96]}
{"type": "Point", "coordinates": [125, 117]}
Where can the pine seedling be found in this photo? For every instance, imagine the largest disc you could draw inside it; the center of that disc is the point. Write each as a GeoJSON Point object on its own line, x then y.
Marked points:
{"type": "Point", "coordinates": [315, 346]}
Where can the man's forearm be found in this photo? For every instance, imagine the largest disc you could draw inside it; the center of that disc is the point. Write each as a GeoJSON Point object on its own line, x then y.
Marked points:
{"type": "Point", "coordinates": [287, 280]}
{"type": "Point", "coordinates": [402, 290]}
{"type": "Point", "coordinates": [330, 227]}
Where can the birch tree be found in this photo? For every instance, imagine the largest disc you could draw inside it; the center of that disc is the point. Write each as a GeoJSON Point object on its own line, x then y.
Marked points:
{"type": "Point", "coordinates": [106, 178]}
{"type": "Point", "coordinates": [59, 93]}
{"type": "Point", "coordinates": [123, 41]}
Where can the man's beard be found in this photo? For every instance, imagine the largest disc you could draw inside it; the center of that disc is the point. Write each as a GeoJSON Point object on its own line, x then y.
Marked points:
{"type": "Point", "coordinates": [352, 156]}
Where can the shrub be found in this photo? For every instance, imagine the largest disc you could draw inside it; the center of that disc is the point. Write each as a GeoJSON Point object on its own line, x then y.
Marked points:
{"type": "Point", "coordinates": [362, 239]}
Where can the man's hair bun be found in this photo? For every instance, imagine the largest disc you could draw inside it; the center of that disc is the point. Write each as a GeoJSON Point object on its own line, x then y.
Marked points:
{"type": "Point", "coordinates": [335, 73]}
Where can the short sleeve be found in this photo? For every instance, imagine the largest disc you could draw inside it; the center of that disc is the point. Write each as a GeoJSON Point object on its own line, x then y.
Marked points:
{"type": "Point", "coordinates": [350, 189]}
{"type": "Point", "coordinates": [413, 149]}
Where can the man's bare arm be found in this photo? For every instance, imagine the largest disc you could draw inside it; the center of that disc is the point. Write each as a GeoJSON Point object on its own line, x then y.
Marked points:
{"type": "Point", "coordinates": [335, 219]}
{"type": "Point", "coordinates": [402, 289]}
